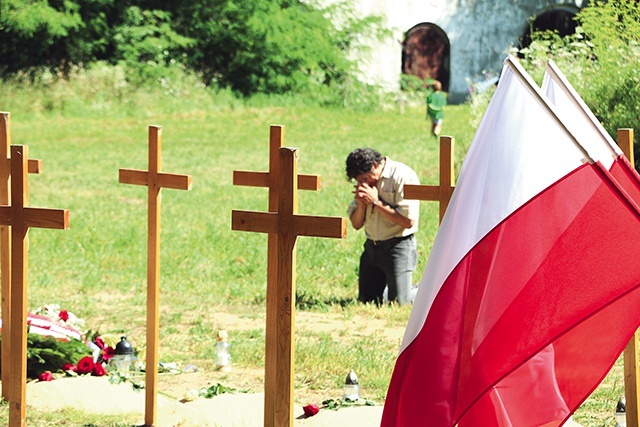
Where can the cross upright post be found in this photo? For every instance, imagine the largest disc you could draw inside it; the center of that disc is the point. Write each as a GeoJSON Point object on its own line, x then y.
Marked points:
{"type": "Point", "coordinates": [443, 191]}
{"type": "Point", "coordinates": [155, 181]}
{"type": "Point", "coordinates": [287, 225]}
{"type": "Point", "coordinates": [20, 217]}
{"type": "Point", "coordinates": [34, 166]}
{"type": "Point", "coordinates": [630, 354]}
{"type": "Point", "coordinates": [270, 180]}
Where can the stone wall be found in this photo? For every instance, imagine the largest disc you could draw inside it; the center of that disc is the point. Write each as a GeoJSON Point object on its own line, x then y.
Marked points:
{"type": "Point", "coordinates": [479, 32]}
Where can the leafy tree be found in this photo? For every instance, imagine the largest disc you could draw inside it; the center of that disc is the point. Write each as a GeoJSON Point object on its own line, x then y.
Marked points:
{"type": "Point", "coordinates": [272, 46]}
{"type": "Point", "coordinates": [602, 61]}
{"type": "Point", "coordinates": [31, 32]}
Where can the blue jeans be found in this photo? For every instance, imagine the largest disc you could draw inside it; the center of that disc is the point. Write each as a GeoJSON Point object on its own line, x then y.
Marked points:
{"type": "Point", "coordinates": [387, 263]}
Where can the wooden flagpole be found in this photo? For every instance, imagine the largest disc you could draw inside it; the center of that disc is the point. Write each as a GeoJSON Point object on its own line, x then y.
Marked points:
{"type": "Point", "coordinates": [443, 191]}
{"type": "Point", "coordinates": [33, 166]}
{"type": "Point", "coordinates": [20, 217]}
{"type": "Point", "coordinates": [287, 225]}
{"type": "Point", "coordinates": [630, 354]}
{"type": "Point", "coordinates": [155, 180]}
{"type": "Point", "coordinates": [270, 180]}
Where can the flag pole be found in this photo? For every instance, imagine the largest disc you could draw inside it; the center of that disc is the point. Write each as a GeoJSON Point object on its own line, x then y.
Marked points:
{"type": "Point", "coordinates": [553, 69]}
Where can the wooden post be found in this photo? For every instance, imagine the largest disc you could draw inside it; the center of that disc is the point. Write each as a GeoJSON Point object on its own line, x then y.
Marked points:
{"type": "Point", "coordinates": [20, 218]}
{"type": "Point", "coordinates": [443, 191]}
{"type": "Point", "coordinates": [155, 180]}
{"type": "Point", "coordinates": [270, 180]}
{"type": "Point", "coordinates": [631, 365]}
{"type": "Point", "coordinates": [287, 225]}
{"type": "Point", "coordinates": [33, 166]}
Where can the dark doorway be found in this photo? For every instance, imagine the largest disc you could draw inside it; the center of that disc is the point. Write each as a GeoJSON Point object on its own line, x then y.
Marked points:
{"type": "Point", "coordinates": [425, 53]}
{"type": "Point", "coordinates": [559, 19]}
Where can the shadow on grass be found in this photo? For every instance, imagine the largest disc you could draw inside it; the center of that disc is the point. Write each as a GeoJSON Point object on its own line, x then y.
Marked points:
{"type": "Point", "coordinates": [307, 301]}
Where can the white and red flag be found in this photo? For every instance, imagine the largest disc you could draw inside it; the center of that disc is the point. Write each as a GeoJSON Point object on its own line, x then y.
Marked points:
{"type": "Point", "coordinates": [529, 295]}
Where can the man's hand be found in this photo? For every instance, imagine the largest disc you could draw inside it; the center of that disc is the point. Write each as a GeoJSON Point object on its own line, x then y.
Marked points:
{"type": "Point", "coordinates": [366, 194]}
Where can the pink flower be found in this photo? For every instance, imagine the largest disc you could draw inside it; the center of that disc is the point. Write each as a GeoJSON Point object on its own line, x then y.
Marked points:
{"type": "Point", "coordinates": [85, 365]}
{"type": "Point", "coordinates": [69, 367]}
{"type": "Point", "coordinates": [107, 353]}
{"type": "Point", "coordinates": [45, 376]}
{"type": "Point", "coordinates": [64, 315]}
{"type": "Point", "coordinates": [98, 370]}
{"type": "Point", "coordinates": [311, 410]}
{"type": "Point", "coordinates": [100, 343]}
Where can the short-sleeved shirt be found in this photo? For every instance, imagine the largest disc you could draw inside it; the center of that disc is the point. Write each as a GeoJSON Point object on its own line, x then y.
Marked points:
{"type": "Point", "coordinates": [391, 191]}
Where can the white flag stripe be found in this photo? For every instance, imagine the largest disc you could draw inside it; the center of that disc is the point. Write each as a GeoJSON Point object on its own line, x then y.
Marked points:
{"type": "Point", "coordinates": [508, 163]}
{"type": "Point", "coordinates": [578, 117]}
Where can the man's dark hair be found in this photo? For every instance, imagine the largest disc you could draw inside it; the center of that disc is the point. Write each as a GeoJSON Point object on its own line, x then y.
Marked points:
{"type": "Point", "coordinates": [361, 161]}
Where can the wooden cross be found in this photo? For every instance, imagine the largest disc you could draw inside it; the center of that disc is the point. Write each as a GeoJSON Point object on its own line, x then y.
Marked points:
{"type": "Point", "coordinates": [270, 180]}
{"type": "Point", "coordinates": [35, 167]}
{"type": "Point", "coordinates": [630, 354]}
{"type": "Point", "coordinates": [442, 192]}
{"type": "Point", "coordinates": [287, 225]}
{"type": "Point", "coordinates": [155, 180]}
{"type": "Point", "coordinates": [20, 217]}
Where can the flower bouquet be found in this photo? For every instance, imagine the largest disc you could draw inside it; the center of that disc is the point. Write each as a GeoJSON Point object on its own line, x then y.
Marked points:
{"type": "Point", "coordinates": [58, 344]}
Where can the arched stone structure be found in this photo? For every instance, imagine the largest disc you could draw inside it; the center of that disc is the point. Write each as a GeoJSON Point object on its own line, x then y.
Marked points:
{"type": "Point", "coordinates": [425, 53]}
{"type": "Point", "coordinates": [556, 18]}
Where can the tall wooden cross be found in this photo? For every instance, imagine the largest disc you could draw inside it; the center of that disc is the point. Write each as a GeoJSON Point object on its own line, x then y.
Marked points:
{"type": "Point", "coordinates": [20, 217]}
{"type": "Point", "coordinates": [155, 180]}
{"type": "Point", "coordinates": [34, 166]}
{"type": "Point", "coordinates": [443, 191]}
{"type": "Point", "coordinates": [270, 180]}
{"type": "Point", "coordinates": [286, 224]}
{"type": "Point", "coordinates": [630, 354]}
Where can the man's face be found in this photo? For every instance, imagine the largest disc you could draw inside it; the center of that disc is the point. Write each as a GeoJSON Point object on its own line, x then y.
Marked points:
{"type": "Point", "coordinates": [370, 178]}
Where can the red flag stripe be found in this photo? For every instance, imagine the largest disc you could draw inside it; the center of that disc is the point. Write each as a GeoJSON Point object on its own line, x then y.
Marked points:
{"type": "Point", "coordinates": [506, 299]}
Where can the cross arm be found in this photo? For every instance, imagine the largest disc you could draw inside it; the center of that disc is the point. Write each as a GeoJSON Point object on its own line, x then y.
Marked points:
{"type": "Point", "coordinates": [320, 226]}
{"type": "Point", "coordinates": [38, 217]}
{"type": "Point", "coordinates": [261, 179]}
{"type": "Point", "coordinates": [34, 166]}
{"type": "Point", "coordinates": [421, 192]}
{"type": "Point", "coordinates": [260, 222]}
{"type": "Point", "coordinates": [165, 180]}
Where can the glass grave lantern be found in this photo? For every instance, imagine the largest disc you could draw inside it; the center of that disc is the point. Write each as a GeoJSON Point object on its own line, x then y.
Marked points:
{"type": "Point", "coordinates": [351, 387]}
{"type": "Point", "coordinates": [123, 357]}
{"type": "Point", "coordinates": [621, 413]}
{"type": "Point", "coordinates": [222, 352]}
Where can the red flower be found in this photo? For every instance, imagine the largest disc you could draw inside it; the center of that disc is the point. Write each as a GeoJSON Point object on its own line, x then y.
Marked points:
{"type": "Point", "coordinates": [100, 343]}
{"type": "Point", "coordinates": [69, 367]}
{"type": "Point", "coordinates": [107, 353]}
{"type": "Point", "coordinates": [98, 370]}
{"type": "Point", "coordinates": [311, 410]}
{"type": "Point", "coordinates": [45, 376]}
{"type": "Point", "coordinates": [85, 365]}
{"type": "Point", "coordinates": [64, 315]}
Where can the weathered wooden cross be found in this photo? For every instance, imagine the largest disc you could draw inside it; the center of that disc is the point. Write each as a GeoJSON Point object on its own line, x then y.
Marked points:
{"type": "Point", "coordinates": [270, 180]}
{"type": "Point", "coordinates": [20, 217]}
{"type": "Point", "coordinates": [34, 166]}
{"type": "Point", "coordinates": [443, 191]}
{"type": "Point", "coordinates": [155, 180]}
{"type": "Point", "coordinates": [286, 225]}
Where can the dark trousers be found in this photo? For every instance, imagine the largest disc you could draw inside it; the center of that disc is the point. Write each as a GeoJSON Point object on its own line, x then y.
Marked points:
{"type": "Point", "coordinates": [387, 263]}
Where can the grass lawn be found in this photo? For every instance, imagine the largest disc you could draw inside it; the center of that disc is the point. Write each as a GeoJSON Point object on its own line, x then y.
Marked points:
{"type": "Point", "coordinates": [209, 273]}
